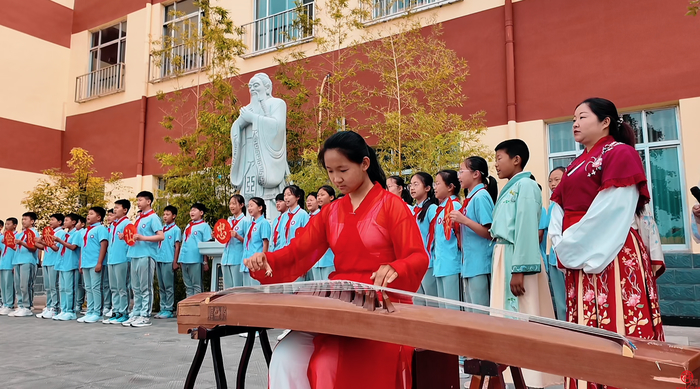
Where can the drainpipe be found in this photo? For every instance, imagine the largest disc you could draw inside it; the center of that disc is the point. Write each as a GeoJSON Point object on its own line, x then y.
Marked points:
{"type": "Point", "coordinates": [142, 142]}
{"type": "Point", "coordinates": [510, 71]}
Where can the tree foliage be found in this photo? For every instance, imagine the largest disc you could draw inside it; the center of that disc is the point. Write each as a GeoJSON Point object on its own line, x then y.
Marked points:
{"type": "Point", "coordinates": [693, 7]}
{"type": "Point", "coordinates": [74, 191]}
{"type": "Point", "coordinates": [200, 116]}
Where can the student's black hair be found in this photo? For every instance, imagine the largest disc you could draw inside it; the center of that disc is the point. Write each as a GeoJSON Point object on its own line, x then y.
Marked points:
{"type": "Point", "coordinates": [100, 211]}
{"type": "Point", "coordinates": [73, 216]}
{"type": "Point", "coordinates": [353, 146]}
{"type": "Point", "coordinates": [451, 178]}
{"type": "Point", "coordinates": [515, 147]}
{"type": "Point", "coordinates": [314, 194]}
{"type": "Point", "coordinates": [31, 215]}
{"type": "Point", "coordinates": [298, 193]}
{"type": "Point", "coordinates": [328, 189]}
{"type": "Point", "coordinates": [200, 207]}
{"type": "Point", "coordinates": [2, 223]}
{"type": "Point", "coordinates": [146, 194]}
{"type": "Point", "coordinates": [560, 168]}
{"type": "Point", "coordinates": [58, 216]}
{"type": "Point", "coordinates": [279, 197]}
{"type": "Point", "coordinates": [478, 164]}
{"type": "Point", "coordinates": [604, 108]}
{"type": "Point", "coordinates": [241, 200]}
{"type": "Point", "coordinates": [110, 211]}
{"type": "Point", "coordinates": [82, 219]}
{"type": "Point", "coordinates": [427, 180]}
{"type": "Point", "coordinates": [126, 204]}
{"type": "Point", "coordinates": [405, 193]}
{"type": "Point", "coordinates": [12, 220]}
{"type": "Point", "coordinates": [261, 203]}
{"type": "Point", "coordinates": [532, 177]}
{"type": "Point", "coordinates": [171, 208]}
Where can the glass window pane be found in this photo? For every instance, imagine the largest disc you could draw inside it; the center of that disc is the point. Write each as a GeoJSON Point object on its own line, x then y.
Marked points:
{"type": "Point", "coordinates": [110, 34]}
{"type": "Point", "coordinates": [667, 195]}
{"type": "Point", "coordinates": [261, 10]}
{"type": "Point", "coordinates": [661, 125]}
{"type": "Point", "coordinates": [634, 119]}
{"type": "Point", "coordinates": [95, 39]}
{"type": "Point", "coordinates": [277, 6]}
{"type": "Point", "coordinates": [643, 157]}
{"type": "Point", "coordinates": [169, 12]}
{"type": "Point", "coordinates": [122, 51]}
{"type": "Point", "coordinates": [108, 55]}
{"type": "Point", "coordinates": [123, 29]}
{"type": "Point", "coordinates": [93, 60]}
{"type": "Point", "coordinates": [186, 7]}
{"type": "Point", "coordinates": [561, 162]}
{"type": "Point", "coordinates": [561, 138]}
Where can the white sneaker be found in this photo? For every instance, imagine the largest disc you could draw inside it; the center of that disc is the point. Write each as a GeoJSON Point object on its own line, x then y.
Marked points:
{"type": "Point", "coordinates": [5, 310]}
{"type": "Point", "coordinates": [14, 312]}
{"type": "Point", "coordinates": [82, 319]}
{"type": "Point", "coordinates": [49, 314]}
{"type": "Point", "coordinates": [108, 314]}
{"type": "Point", "coordinates": [41, 315]}
{"type": "Point", "coordinates": [285, 333]}
{"type": "Point", "coordinates": [141, 322]}
{"type": "Point", "coordinates": [24, 312]}
{"type": "Point", "coordinates": [131, 320]}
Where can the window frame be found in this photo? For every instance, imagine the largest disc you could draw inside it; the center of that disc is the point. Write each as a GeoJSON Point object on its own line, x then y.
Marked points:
{"type": "Point", "coordinates": [646, 147]}
{"type": "Point", "coordinates": [121, 43]}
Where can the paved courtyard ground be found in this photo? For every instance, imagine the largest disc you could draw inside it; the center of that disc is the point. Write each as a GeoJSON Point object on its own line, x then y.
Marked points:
{"type": "Point", "coordinates": [38, 353]}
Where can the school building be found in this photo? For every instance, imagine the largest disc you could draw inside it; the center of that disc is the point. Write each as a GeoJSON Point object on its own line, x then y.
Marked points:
{"type": "Point", "coordinates": [78, 73]}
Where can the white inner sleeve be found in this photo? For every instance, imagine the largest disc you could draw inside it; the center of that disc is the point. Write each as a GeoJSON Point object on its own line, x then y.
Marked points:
{"type": "Point", "coordinates": [556, 219]}
{"type": "Point", "coordinates": [594, 242]}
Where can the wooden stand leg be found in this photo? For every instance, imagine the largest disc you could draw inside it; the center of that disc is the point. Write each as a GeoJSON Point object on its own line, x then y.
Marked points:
{"type": "Point", "coordinates": [245, 359]}
{"type": "Point", "coordinates": [266, 348]}
{"type": "Point", "coordinates": [518, 378]}
{"type": "Point", "coordinates": [196, 363]}
{"type": "Point", "coordinates": [219, 370]}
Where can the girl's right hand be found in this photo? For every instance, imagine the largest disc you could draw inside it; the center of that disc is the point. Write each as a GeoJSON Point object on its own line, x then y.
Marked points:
{"type": "Point", "coordinates": [258, 262]}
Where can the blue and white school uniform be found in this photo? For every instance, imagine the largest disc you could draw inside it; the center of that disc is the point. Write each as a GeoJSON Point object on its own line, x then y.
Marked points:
{"type": "Point", "coordinates": [25, 263]}
{"type": "Point", "coordinates": [477, 252]}
{"type": "Point", "coordinates": [428, 285]}
{"type": "Point", "coordinates": [190, 259]}
{"type": "Point", "coordinates": [292, 220]}
{"type": "Point", "coordinates": [7, 280]}
{"type": "Point", "coordinates": [50, 274]}
{"type": "Point", "coordinates": [164, 267]}
{"type": "Point", "coordinates": [448, 259]}
{"type": "Point", "coordinates": [233, 254]}
{"type": "Point", "coordinates": [142, 255]}
{"type": "Point", "coordinates": [91, 245]}
{"type": "Point", "coordinates": [67, 267]}
{"type": "Point", "coordinates": [118, 265]}
{"type": "Point", "coordinates": [277, 241]}
{"type": "Point", "coordinates": [256, 232]}
{"type": "Point", "coordinates": [325, 266]}
{"type": "Point", "coordinates": [556, 277]}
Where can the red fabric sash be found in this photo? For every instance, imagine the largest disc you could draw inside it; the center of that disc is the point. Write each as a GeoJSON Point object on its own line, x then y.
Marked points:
{"type": "Point", "coordinates": [289, 223]}
{"type": "Point", "coordinates": [188, 230]}
{"type": "Point", "coordinates": [165, 229]}
{"type": "Point", "coordinates": [63, 250]}
{"type": "Point", "coordinates": [115, 225]}
{"type": "Point", "coordinates": [277, 231]}
{"type": "Point", "coordinates": [87, 234]}
{"type": "Point", "coordinates": [571, 218]}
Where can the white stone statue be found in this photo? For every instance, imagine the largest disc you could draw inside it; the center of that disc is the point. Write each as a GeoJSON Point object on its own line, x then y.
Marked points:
{"type": "Point", "coordinates": [259, 140]}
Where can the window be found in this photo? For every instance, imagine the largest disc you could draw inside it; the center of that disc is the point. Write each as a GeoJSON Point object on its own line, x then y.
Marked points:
{"type": "Point", "coordinates": [182, 28]}
{"type": "Point", "coordinates": [279, 22]}
{"type": "Point", "coordinates": [107, 52]}
{"type": "Point", "coordinates": [658, 143]}
{"type": "Point", "coordinates": [386, 8]}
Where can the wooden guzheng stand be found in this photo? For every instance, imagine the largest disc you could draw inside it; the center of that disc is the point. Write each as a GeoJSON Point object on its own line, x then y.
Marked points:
{"type": "Point", "coordinates": [491, 342]}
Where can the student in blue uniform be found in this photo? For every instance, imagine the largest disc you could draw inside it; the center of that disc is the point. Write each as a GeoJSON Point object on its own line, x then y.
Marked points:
{"type": "Point", "coordinates": [2, 227]}
{"type": "Point", "coordinates": [556, 276]}
{"type": "Point", "coordinates": [168, 249]}
{"type": "Point", "coordinates": [296, 217]}
{"type": "Point", "coordinates": [325, 266]}
{"type": "Point", "coordinates": [190, 259]}
{"type": "Point", "coordinates": [142, 254]}
{"type": "Point", "coordinates": [277, 226]}
{"type": "Point", "coordinates": [233, 252]}
{"type": "Point", "coordinates": [106, 290]}
{"type": "Point", "coordinates": [422, 192]}
{"type": "Point", "coordinates": [79, 281]}
{"type": "Point", "coordinates": [25, 261]}
{"type": "Point", "coordinates": [257, 236]}
{"type": "Point", "coordinates": [7, 280]}
{"type": "Point", "coordinates": [67, 266]}
{"type": "Point", "coordinates": [475, 218]}
{"type": "Point", "coordinates": [448, 258]}
{"type": "Point", "coordinates": [93, 249]}
{"type": "Point", "coordinates": [48, 264]}
{"type": "Point", "coordinates": [118, 263]}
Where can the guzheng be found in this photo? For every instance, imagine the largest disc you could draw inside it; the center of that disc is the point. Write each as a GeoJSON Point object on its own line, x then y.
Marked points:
{"type": "Point", "coordinates": [506, 338]}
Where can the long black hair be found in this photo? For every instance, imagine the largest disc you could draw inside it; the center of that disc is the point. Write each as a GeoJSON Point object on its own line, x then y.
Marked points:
{"type": "Point", "coordinates": [353, 146]}
{"type": "Point", "coordinates": [478, 164]}
{"type": "Point", "coordinates": [298, 193]}
{"type": "Point", "coordinates": [240, 200]}
{"type": "Point", "coordinates": [328, 189]}
{"type": "Point", "coordinates": [427, 180]}
{"type": "Point", "coordinates": [619, 130]}
{"type": "Point", "coordinates": [261, 203]}
{"type": "Point", "coordinates": [450, 177]}
{"type": "Point", "coordinates": [405, 194]}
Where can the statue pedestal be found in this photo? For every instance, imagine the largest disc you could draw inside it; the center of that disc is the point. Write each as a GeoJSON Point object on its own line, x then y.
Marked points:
{"type": "Point", "coordinates": [215, 251]}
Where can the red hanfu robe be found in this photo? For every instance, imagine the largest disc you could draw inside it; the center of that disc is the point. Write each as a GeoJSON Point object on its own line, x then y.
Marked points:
{"type": "Point", "coordinates": [381, 231]}
{"type": "Point", "coordinates": [623, 297]}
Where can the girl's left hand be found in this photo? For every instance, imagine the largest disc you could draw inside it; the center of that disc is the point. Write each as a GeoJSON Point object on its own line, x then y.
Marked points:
{"type": "Point", "coordinates": [457, 217]}
{"type": "Point", "coordinates": [384, 275]}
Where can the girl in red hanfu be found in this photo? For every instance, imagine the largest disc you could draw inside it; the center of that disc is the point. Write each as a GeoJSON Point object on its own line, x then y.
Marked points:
{"type": "Point", "coordinates": [376, 240]}
{"type": "Point", "coordinates": [610, 278]}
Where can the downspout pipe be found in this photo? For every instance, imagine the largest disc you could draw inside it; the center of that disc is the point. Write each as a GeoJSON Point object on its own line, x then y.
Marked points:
{"type": "Point", "coordinates": [510, 70]}
{"type": "Point", "coordinates": [142, 137]}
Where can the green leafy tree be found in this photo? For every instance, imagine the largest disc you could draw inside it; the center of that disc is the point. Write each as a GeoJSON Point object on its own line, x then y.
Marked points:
{"type": "Point", "coordinates": [76, 190]}
{"type": "Point", "coordinates": [693, 7]}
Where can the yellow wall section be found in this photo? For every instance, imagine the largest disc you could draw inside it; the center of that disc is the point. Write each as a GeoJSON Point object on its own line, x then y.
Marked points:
{"type": "Point", "coordinates": [34, 84]}
{"type": "Point", "coordinates": [14, 185]}
{"type": "Point", "coordinates": [690, 122]}
{"type": "Point", "coordinates": [65, 3]}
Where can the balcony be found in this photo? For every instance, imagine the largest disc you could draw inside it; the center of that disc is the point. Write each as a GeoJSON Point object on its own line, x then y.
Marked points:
{"type": "Point", "coordinates": [177, 61]}
{"type": "Point", "coordinates": [99, 83]}
{"type": "Point", "coordinates": [278, 30]}
{"type": "Point", "coordinates": [389, 9]}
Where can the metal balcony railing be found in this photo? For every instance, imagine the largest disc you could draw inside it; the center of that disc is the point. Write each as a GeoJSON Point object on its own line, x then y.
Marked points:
{"type": "Point", "coordinates": [387, 8]}
{"type": "Point", "coordinates": [179, 60]}
{"type": "Point", "coordinates": [278, 30]}
{"type": "Point", "coordinates": [100, 82]}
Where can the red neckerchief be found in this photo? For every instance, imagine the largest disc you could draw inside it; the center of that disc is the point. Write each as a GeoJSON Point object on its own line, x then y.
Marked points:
{"type": "Point", "coordinates": [448, 207]}
{"type": "Point", "coordinates": [143, 215]}
{"type": "Point", "coordinates": [188, 229]}
{"type": "Point", "coordinates": [250, 234]}
{"type": "Point", "coordinates": [418, 208]}
{"type": "Point", "coordinates": [115, 225]}
{"type": "Point", "coordinates": [234, 223]}
{"type": "Point", "coordinates": [468, 199]}
{"type": "Point", "coordinates": [87, 233]}
{"type": "Point", "coordinates": [63, 250]}
{"type": "Point", "coordinates": [289, 222]}
{"type": "Point", "coordinates": [277, 231]}
{"type": "Point", "coordinates": [165, 229]}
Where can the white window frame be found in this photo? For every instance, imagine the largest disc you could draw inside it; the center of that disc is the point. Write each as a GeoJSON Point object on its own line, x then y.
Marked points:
{"type": "Point", "coordinates": [646, 147]}
{"type": "Point", "coordinates": [166, 70]}
{"type": "Point", "coordinates": [397, 12]}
